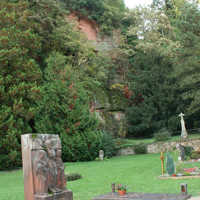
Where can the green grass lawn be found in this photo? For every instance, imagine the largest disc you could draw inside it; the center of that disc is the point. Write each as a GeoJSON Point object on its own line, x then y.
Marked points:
{"type": "Point", "coordinates": [139, 172]}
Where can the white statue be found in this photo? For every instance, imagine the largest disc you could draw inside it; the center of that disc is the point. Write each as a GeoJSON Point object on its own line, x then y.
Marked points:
{"type": "Point", "coordinates": [183, 129]}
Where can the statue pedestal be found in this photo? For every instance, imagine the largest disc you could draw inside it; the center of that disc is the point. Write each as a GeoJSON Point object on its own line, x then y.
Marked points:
{"type": "Point", "coordinates": [64, 195]}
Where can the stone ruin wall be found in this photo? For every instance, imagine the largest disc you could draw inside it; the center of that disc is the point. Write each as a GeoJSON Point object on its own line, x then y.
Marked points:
{"type": "Point", "coordinates": [88, 27]}
{"type": "Point", "coordinates": [168, 146]}
{"type": "Point", "coordinates": [162, 146]}
{"type": "Point", "coordinates": [113, 122]}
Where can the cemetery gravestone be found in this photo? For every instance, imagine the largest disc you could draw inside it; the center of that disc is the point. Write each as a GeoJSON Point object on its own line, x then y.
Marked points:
{"type": "Point", "coordinates": [43, 169]}
{"type": "Point", "coordinates": [101, 154]}
{"type": "Point", "coordinates": [170, 164]}
{"type": "Point", "coordinates": [181, 150]}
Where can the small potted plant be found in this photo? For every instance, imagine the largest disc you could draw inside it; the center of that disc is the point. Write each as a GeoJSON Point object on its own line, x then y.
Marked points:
{"type": "Point", "coordinates": [174, 175]}
{"type": "Point", "coordinates": [121, 189]}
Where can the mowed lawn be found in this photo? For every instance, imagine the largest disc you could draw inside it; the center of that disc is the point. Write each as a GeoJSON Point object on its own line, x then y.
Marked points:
{"type": "Point", "coordinates": [139, 172]}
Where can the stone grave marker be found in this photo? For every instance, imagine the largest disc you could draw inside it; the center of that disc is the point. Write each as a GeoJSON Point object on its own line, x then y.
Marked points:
{"type": "Point", "coordinates": [43, 169]}
{"type": "Point", "coordinates": [101, 154]}
{"type": "Point", "coordinates": [181, 150]}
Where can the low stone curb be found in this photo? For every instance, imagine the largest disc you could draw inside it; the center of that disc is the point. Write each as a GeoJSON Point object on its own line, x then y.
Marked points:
{"type": "Point", "coordinates": [179, 177]}
{"type": "Point", "coordinates": [195, 198]}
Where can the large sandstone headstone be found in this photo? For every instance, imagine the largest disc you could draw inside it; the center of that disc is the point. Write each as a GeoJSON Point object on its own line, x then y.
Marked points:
{"type": "Point", "coordinates": [44, 177]}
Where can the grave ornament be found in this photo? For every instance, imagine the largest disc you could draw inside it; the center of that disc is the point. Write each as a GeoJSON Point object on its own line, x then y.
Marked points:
{"type": "Point", "coordinates": [162, 162]}
{"type": "Point", "coordinates": [184, 134]}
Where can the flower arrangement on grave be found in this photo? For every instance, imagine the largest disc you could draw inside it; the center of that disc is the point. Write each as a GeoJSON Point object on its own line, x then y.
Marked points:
{"type": "Point", "coordinates": [121, 189]}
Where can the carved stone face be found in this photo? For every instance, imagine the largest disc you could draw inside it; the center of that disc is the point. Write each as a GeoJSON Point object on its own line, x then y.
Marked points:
{"type": "Point", "coordinates": [42, 155]}
{"type": "Point", "coordinates": [51, 153]}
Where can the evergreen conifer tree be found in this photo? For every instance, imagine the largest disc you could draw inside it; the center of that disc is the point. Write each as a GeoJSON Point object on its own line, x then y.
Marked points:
{"type": "Point", "coordinates": [20, 77]}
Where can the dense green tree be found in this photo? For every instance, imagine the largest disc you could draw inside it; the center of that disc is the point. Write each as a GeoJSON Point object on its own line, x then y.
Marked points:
{"type": "Point", "coordinates": [187, 66]}
{"type": "Point", "coordinates": [20, 79]}
{"type": "Point", "coordinates": [30, 31]}
{"type": "Point", "coordinates": [154, 102]}
{"type": "Point", "coordinates": [64, 110]}
{"type": "Point", "coordinates": [184, 19]}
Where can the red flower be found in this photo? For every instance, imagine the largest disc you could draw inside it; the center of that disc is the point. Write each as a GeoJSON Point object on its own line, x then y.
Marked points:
{"type": "Point", "coordinates": [71, 86]}
{"type": "Point", "coordinates": [174, 175]}
{"type": "Point", "coordinates": [127, 92]}
{"type": "Point", "coordinates": [71, 106]}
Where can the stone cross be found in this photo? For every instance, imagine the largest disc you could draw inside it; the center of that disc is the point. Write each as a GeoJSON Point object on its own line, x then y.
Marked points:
{"type": "Point", "coordinates": [101, 154]}
{"type": "Point", "coordinates": [43, 169]}
{"type": "Point", "coordinates": [183, 129]}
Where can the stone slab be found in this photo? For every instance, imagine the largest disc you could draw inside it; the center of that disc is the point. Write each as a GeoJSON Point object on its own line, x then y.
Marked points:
{"type": "Point", "coordinates": [142, 196]}
{"type": "Point", "coordinates": [195, 198]}
{"type": "Point", "coordinates": [64, 195]}
{"type": "Point", "coordinates": [178, 177]}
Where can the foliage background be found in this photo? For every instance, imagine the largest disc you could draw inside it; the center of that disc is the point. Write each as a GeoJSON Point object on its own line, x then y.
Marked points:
{"type": "Point", "coordinates": [50, 75]}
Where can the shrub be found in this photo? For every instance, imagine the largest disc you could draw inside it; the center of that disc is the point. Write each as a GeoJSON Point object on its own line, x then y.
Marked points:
{"type": "Point", "coordinates": [64, 110]}
{"type": "Point", "coordinates": [195, 155]}
{"type": "Point", "coordinates": [108, 145]}
{"type": "Point", "coordinates": [86, 146]}
{"type": "Point", "coordinates": [73, 176]}
{"type": "Point", "coordinates": [82, 146]}
{"type": "Point", "coordinates": [188, 150]}
{"type": "Point", "coordinates": [140, 148]}
{"type": "Point", "coordinates": [162, 135]}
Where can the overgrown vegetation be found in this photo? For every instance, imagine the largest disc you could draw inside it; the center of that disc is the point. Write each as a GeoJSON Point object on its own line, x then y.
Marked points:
{"type": "Point", "coordinates": [73, 176]}
{"type": "Point", "coordinates": [163, 71]}
{"type": "Point", "coordinates": [51, 76]}
{"type": "Point", "coordinates": [46, 80]}
{"type": "Point", "coordinates": [140, 148]}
